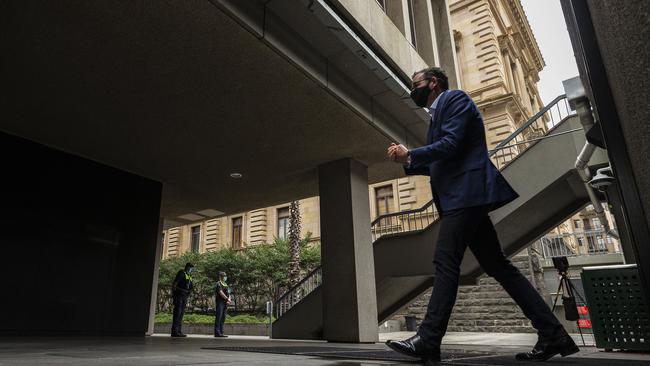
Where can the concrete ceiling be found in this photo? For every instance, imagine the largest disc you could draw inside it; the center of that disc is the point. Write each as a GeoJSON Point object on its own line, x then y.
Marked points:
{"type": "Point", "coordinates": [180, 93]}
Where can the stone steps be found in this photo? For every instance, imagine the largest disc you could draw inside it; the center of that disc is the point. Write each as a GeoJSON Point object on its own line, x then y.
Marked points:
{"type": "Point", "coordinates": [484, 307]}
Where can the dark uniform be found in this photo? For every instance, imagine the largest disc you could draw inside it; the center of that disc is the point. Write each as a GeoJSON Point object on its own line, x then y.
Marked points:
{"type": "Point", "coordinates": [220, 307]}
{"type": "Point", "coordinates": [184, 286]}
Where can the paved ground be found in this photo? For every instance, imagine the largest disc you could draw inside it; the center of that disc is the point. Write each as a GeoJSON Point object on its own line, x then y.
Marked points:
{"type": "Point", "coordinates": [163, 350]}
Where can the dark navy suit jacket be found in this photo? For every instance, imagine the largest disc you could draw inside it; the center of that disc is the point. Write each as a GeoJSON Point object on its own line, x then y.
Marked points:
{"type": "Point", "coordinates": [456, 158]}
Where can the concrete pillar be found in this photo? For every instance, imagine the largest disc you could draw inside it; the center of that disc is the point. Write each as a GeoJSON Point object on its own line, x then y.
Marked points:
{"type": "Point", "coordinates": [349, 296]}
{"type": "Point", "coordinates": [425, 32]}
{"type": "Point", "coordinates": [445, 48]}
{"type": "Point", "coordinates": [154, 282]}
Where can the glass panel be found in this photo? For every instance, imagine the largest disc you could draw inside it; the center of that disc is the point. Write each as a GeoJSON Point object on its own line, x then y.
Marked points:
{"type": "Point", "coordinates": [414, 40]}
{"type": "Point", "coordinates": [283, 222]}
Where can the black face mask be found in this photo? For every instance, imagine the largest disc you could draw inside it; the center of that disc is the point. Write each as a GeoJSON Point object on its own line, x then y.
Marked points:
{"type": "Point", "coordinates": [420, 95]}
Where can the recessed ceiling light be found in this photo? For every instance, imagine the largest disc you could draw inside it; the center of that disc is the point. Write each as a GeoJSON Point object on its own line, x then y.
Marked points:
{"type": "Point", "coordinates": [209, 212]}
{"type": "Point", "coordinates": [191, 217]}
{"type": "Point", "coordinates": [236, 175]}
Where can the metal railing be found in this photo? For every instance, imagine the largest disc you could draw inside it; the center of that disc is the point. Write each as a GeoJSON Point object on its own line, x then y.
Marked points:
{"type": "Point", "coordinates": [535, 129]}
{"type": "Point", "coordinates": [299, 291]}
{"type": "Point", "coordinates": [421, 218]}
{"type": "Point", "coordinates": [404, 221]}
{"type": "Point", "coordinates": [579, 243]}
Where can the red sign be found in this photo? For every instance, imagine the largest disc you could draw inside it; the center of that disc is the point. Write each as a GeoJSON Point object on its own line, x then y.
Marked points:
{"type": "Point", "coordinates": [583, 310]}
{"type": "Point", "coordinates": [584, 323]}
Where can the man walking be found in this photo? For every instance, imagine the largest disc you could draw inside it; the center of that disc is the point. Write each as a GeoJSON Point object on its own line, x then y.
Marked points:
{"type": "Point", "coordinates": [466, 187]}
{"type": "Point", "coordinates": [181, 288]}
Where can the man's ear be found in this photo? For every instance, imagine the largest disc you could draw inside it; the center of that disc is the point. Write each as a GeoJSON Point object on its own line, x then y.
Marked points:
{"type": "Point", "coordinates": [433, 81]}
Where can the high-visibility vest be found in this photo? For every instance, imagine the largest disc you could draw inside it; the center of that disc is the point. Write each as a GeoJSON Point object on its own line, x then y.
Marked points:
{"type": "Point", "coordinates": [187, 276]}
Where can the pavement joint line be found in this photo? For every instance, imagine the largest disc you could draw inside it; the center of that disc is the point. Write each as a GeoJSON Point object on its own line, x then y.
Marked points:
{"type": "Point", "coordinates": [473, 357]}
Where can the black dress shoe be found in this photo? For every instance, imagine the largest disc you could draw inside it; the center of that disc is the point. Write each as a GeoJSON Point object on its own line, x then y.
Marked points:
{"type": "Point", "coordinates": [545, 349]}
{"type": "Point", "coordinates": [415, 347]}
{"type": "Point", "coordinates": [179, 335]}
{"type": "Point", "coordinates": [220, 336]}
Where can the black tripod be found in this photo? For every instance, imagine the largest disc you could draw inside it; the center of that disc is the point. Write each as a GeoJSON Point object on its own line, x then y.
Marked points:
{"type": "Point", "coordinates": [568, 294]}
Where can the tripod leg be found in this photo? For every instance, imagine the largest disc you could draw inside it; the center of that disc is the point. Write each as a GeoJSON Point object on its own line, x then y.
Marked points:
{"type": "Point", "coordinates": [571, 288]}
{"type": "Point", "coordinates": [557, 296]}
{"type": "Point", "coordinates": [580, 330]}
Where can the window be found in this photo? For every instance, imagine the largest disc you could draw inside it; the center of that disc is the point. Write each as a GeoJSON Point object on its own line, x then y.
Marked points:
{"type": "Point", "coordinates": [590, 242]}
{"type": "Point", "coordinates": [580, 241]}
{"type": "Point", "coordinates": [413, 40]}
{"type": "Point", "coordinates": [195, 238]}
{"type": "Point", "coordinates": [576, 224]}
{"type": "Point", "coordinates": [236, 232]}
{"type": "Point", "coordinates": [283, 222]}
{"type": "Point", "coordinates": [595, 222]}
{"type": "Point", "coordinates": [587, 224]}
{"type": "Point", "coordinates": [384, 199]}
{"type": "Point", "coordinates": [601, 242]}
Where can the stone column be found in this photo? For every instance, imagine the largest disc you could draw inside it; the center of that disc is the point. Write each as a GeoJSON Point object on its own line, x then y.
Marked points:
{"type": "Point", "coordinates": [508, 71]}
{"type": "Point", "coordinates": [349, 296]}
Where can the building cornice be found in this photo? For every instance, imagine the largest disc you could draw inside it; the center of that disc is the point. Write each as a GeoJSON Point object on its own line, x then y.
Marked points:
{"type": "Point", "coordinates": [526, 32]}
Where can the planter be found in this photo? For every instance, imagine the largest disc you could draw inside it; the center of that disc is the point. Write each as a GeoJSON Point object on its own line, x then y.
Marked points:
{"type": "Point", "coordinates": [208, 329]}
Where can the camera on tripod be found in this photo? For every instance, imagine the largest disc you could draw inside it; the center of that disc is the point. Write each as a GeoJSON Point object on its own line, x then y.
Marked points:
{"type": "Point", "coordinates": [568, 298]}
{"type": "Point", "coordinates": [561, 264]}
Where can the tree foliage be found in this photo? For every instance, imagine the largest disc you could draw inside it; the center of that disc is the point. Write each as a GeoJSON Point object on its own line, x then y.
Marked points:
{"type": "Point", "coordinates": [257, 274]}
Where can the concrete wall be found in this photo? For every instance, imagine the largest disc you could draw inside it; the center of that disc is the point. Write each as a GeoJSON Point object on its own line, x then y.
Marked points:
{"type": "Point", "coordinates": [379, 29]}
{"type": "Point", "coordinates": [78, 243]}
{"type": "Point", "coordinates": [622, 29]}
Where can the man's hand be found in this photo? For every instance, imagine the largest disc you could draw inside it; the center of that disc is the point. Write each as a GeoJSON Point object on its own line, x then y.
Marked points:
{"type": "Point", "coordinates": [398, 153]}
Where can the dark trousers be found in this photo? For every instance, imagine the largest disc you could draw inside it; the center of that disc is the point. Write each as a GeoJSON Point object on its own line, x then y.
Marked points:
{"type": "Point", "coordinates": [472, 227]}
{"type": "Point", "coordinates": [179, 310]}
{"type": "Point", "coordinates": [219, 317]}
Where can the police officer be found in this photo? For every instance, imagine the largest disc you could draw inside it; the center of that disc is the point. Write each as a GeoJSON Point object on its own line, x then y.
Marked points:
{"type": "Point", "coordinates": [181, 289]}
{"type": "Point", "coordinates": [222, 300]}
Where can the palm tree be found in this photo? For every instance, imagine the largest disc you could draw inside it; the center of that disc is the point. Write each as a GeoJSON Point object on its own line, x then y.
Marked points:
{"type": "Point", "coordinates": [294, 243]}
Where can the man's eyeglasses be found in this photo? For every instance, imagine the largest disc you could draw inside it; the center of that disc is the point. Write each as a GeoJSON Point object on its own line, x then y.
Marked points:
{"type": "Point", "coordinates": [414, 84]}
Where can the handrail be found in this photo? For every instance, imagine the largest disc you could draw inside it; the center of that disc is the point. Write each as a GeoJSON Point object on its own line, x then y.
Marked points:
{"type": "Point", "coordinates": [426, 212]}
{"type": "Point", "coordinates": [405, 212]}
{"type": "Point", "coordinates": [301, 282]}
{"type": "Point", "coordinates": [530, 121]}
{"type": "Point", "coordinates": [493, 151]}
{"type": "Point", "coordinates": [531, 132]}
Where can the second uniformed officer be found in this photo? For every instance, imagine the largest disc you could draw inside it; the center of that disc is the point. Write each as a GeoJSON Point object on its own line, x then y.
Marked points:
{"type": "Point", "coordinates": [222, 293]}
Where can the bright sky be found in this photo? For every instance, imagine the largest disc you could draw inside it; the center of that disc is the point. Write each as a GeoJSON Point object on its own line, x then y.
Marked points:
{"type": "Point", "coordinates": [547, 20]}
